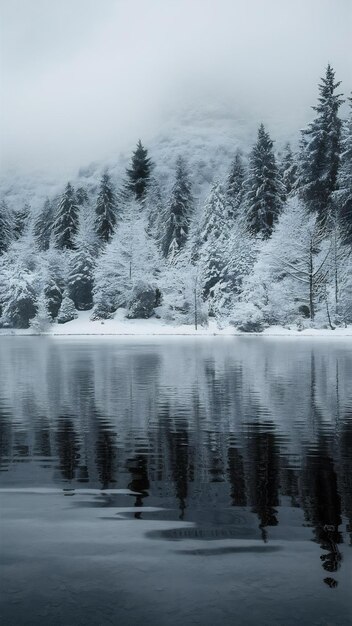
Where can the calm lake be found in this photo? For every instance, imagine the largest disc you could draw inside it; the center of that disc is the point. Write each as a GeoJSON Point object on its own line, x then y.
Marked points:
{"type": "Point", "coordinates": [175, 481]}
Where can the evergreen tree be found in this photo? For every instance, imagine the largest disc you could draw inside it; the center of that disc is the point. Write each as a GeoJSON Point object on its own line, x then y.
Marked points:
{"type": "Point", "coordinates": [155, 208]}
{"type": "Point", "coordinates": [214, 232]}
{"type": "Point", "coordinates": [320, 150]}
{"type": "Point", "coordinates": [22, 220]}
{"type": "Point", "coordinates": [264, 189]}
{"type": "Point", "coordinates": [82, 196]}
{"type": "Point", "coordinates": [289, 170]}
{"type": "Point", "coordinates": [6, 227]}
{"type": "Point", "coordinates": [66, 221]}
{"type": "Point", "coordinates": [138, 174]}
{"type": "Point", "coordinates": [128, 266]}
{"type": "Point", "coordinates": [54, 263]}
{"type": "Point", "coordinates": [19, 283]}
{"type": "Point", "coordinates": [289, 277]}
{"type": "Point", "coordinates": [344, 194]}
{"type": "Point", "coordinates": [82, 263]}
{"type": "Point", "coordinates": [67, 311]}
{"type": "Point", "coordinates": [235, 183]}
{"type": "Point", "coordinates": [41, 321]}
{"type": "Point", "coordinates": [179, 212]}
{"type": "Point", "coordinates": [43, 224]}
{"type": "Point", "coordinates": [105, 209]}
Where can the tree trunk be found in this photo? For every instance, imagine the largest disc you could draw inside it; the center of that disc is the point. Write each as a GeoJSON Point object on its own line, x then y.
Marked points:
{"type": "Point", "coordinates": [311, 285]}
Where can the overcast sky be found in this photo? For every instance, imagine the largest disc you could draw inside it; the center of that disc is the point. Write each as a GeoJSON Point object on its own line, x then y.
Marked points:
{"type": "Point", "coordinates": [83, 78]}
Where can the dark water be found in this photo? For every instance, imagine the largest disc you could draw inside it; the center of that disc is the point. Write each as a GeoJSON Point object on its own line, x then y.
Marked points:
{"type": "Point", "coordinates": [183, 481]}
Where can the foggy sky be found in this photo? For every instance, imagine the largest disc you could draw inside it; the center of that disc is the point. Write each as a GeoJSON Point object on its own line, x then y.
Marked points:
{"type": "Point", "coordinates": [83, 78]}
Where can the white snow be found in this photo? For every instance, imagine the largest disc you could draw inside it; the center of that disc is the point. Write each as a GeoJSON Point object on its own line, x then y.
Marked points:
{"type": "Point", "coordinates": [121, 326]}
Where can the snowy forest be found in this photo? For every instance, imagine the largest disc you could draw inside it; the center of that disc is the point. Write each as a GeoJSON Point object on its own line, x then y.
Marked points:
{"type": "Point", "coordinates": [270, 245]}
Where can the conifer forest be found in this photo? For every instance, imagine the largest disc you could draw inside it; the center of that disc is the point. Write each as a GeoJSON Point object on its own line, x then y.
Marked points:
{"type": "Point", "coordinates": [268, 244]}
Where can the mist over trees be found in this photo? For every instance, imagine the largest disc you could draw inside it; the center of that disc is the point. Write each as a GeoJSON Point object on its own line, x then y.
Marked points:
{"type": "Point", "coordinates": [271, 244]}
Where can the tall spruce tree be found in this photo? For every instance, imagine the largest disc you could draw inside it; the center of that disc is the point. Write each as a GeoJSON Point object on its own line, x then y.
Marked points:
{"type": "Point", "coordinates": [105, 209]}
{"type": "Point", "coordinates": [82, 196]}
{"type": "Point", "coordinates": [320, 150]}
{"type": "Point", "coordinates": [22, 220]}
{"type": "Point", "coordinates": [43, 224]}
{"type": "Point", "coordinates": [82, 262]}
{"type": "Point", "coordinates": [264, 188]}
{"type": "Point", "coordinates": [215, 229]}
{"type": "Point", "coordinates": [344, 194]}
{"type": "Point", "coordinates": [66, 221]}
{"type": "Point", "coordinates": [6, 227]}
{"type": "Point", "coordinates": [155, 208]}
{"type": "Point", "coordinates": [289, 170]}
{"type": "Point", "coordinates": [235, 183]}
{"type": "Point", "coordinates": [179, 212]}
{"type": "Point", "coordinates": [138, 174]}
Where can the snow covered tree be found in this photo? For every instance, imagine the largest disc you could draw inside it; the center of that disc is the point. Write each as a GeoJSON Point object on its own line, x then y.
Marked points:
{"type": "Point", "coordinates": [290, 275]}
{"type": "Point", "coordinates": [264, 189]}
{"type": "Point", "coordinates": [128, 267]}
{"type": "Point", "coordinates": [54, 264]}
{"type": "Point", "coordinates": [67, 311]}
{"type": "Point", "coordinates": [138, 174]}
{"type": "Point", "coordinates": [18, 283]}
{"type": "Point", "coordinates": [66, 221]}
{"type": "Point", "coordinates": [235, 183]}
{"type": "Point", "coordinates": [42, 319]}
{"type": "Point", "coordinates": [320, 149]}
{"type": "Point", "coordinates": [337, 263]}
{"type": "Point", "coordinates": [82, 196]}
{"type": "Point", "coordinates": [289, 170]}
{"type": "Point", "coordinates": [214, 233]}
{"type": "Point", "coordinates": [155, 208]}
{"type": "Point", "coordinates": [105, 209]}
{"type": "Point", "coordinates": [343, 196]}
{"type": "Point", "coordinates": [240, 254]}
{"type": "Point", "coordinates": [43, 224]}
{"type": "Point", "coordinates": [6, 227]}
{"type": "Point", "coordinates": [82, 263]}
{"type": "Point", "coordinates": [182, 301]}
{"type": "Point", "coordinates": [22, 218]}
{"type": "Point", "coordinates": [178, 212]}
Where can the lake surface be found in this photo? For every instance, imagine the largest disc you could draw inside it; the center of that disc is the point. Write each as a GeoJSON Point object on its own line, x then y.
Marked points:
{"type": "Point", "coordinates": [178, 481]}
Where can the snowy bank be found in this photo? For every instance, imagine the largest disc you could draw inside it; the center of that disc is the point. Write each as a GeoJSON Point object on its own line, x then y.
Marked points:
{"type": "Point", "coordinates": [121, 326]}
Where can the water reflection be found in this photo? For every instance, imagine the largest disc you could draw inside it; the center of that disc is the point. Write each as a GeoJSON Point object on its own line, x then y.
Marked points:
{"type": "Point", "coordinates": [233, 437]}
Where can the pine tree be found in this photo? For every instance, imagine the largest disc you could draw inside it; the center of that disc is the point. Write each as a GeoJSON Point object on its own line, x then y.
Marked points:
{"type": "Point", "coordinates": [139, 173]}
{"type": "Point", "coordinates": [155, 208]}
{"type": "Point", "coordinates": [6, 227]}
{"type": "Point", "coordinates": [179, 212]}
{"type": "Point", "coordinates": [67, 311]}
{"type": "Point", "coordinates": [43, 224]}
{"type": "Point", "coordinates": [54, 263]}
{"type": "Point", "coordinates": [343, 196]}
{"type": "Point", "coordinates": [82, 196]}
{"type": "Point", "coordinates": [289, 170]}
{"type": "Point", "coordinates": [82, 263]}
{"type": "Point", "coordinates": [235, 183]}
{"type": "Point", "coordinates": [40, 323]}
{"type": "Point", "coordinates": [66, 221]}
{"type": "Point", "coordinates": [18, 283]}
{"type": "Point", "coordinates": [290, 275]}
{"type": "Point", "coordinates": [106, 209]}
{"type": "Point", "coordinates": [128, 266]}
{"type": "Point", "coordinates": [320, 150]}
{"type": "Point", "coordinates": [264, 189]}
{"type": "Point", "coordinates": [22, 220]}
{"type": "Point", "coordinates": [214, 232]}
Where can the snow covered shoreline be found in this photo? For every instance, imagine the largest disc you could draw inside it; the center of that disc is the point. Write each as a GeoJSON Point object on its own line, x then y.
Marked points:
{"type": "Point", "coordinates": [122, 327]}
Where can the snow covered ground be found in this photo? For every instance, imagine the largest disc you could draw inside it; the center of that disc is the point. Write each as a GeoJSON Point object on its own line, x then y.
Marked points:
{"type": "Point", "coordinates": [153, 327]}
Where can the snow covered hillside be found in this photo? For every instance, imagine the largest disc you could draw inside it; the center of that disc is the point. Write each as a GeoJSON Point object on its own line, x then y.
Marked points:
{"type": "Point", "coordinates": [211, 225]}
